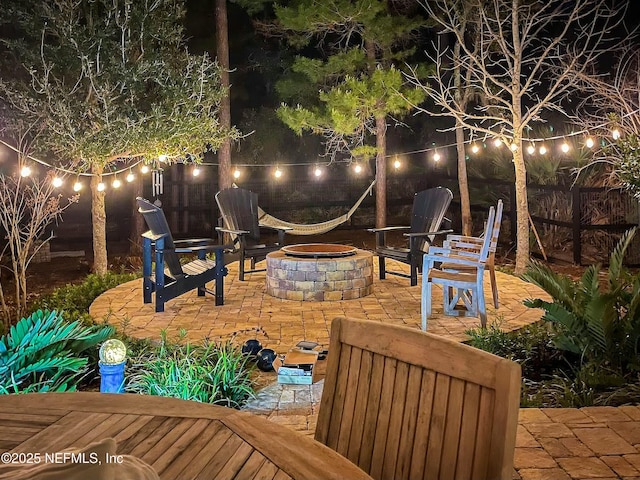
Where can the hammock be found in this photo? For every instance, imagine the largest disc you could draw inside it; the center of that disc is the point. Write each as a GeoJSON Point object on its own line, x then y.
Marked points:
{"type": "Point", "coordinates": [312, 228]}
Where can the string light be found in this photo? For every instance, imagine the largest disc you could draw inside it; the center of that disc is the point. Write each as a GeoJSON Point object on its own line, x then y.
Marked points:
{"type": "Point", "coordinates": [397, 164]}
{"type": "Point", "coordinates": [589, 142]}
{"type": "Point", "coordinates": [101, 187]}
{"type": "Point", "coordinates": [317, 172]}
{"type": "Point", "coordinates": [531, 149]}
{"type": "Point", "coordinates": [163, 158]}
{"type": "Point", "coordinates": [497, 143]}
{"type": "Point", "coordinates": [77, 186]}
{"type": "Point", "coordinates": [475, 148]}
{"type": "Point", "coordinates": [195, 172]}
{"type": "Point", "coordinates": [144, 169]}
{"type": "Point", "coordinates": [513, 147]}
{"type": "Point", "coordinates": [615, 133]}
{"type": "Point", "coordinates": [542, 150]}
{"type": "Point", "coordinates": [25, 171]}
{"type": "Point", "coordinates": [565, 147]}
{"type": "Point", "coordinates": [357, 168]}
{"type": "Point", "coordinates": [236, 174]}
{"type": "Point", "coordinates": [116, 183]}
{"type": "Point", "coordinates": [436, 156]}
{"type": "Point", "coordinates": [56, 182]}
{"type": "Point", "coordinates": [130, 176]}
{"type": "Point", "coordinates": [277, 173]}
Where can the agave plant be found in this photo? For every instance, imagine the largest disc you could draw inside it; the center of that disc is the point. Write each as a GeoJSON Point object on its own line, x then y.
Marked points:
{"type": "Point", "coordinates": [601, 323]}
{"type": "Point", "coordinates": [43, 352]}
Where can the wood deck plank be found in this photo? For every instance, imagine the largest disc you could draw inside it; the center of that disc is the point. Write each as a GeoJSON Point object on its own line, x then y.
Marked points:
{"type": "Point", "coordinates": [205, 446]}
{"type": "Point", "coordinates": [181, 444]}
{"type": "Point", "coordinates": [219, 459]}
{"type": "Point", "coordinates": [267, 471]}
{"type": "Point", "coordinates": [235, 463]}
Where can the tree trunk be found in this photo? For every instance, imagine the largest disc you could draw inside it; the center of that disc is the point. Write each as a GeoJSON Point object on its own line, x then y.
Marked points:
{"type": "Point", "coordinates": [99, 222]}
{"type": "Point", "coordinates": [222, 52]}
{"type": "Point", "coordinates": [381, 172]}
{"type": "Point", "coordinates": [463, 184]}
{"type": "Point", "coordinates": [137, 220]}
{"type": "Point", "coordinates": [522, 211]}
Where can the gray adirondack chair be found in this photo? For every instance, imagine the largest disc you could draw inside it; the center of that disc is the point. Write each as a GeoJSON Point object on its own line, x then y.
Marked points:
{"type": "Point", "coordinates": [427, 214]}
{"type": "Point", "coordinates": [170, 278]}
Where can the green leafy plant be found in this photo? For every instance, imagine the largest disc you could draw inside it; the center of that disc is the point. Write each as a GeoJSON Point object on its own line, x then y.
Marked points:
{"type": "Point", "coordinates": [43, 352]}
{"type": "Point", "coordinates": [74, 300]}
{"type": "Point", "coordinates": [214, 372]}
{"type": "Point", "coordinates": [600, 323]}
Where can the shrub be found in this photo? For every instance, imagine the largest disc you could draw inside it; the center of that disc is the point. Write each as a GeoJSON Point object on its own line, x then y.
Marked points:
{"type": "Point", "coordinates": [74, 300]}
{"type": "Point", "coordinates": [214, 372]}
{"type": "Point", "coordinates": [46, 353]}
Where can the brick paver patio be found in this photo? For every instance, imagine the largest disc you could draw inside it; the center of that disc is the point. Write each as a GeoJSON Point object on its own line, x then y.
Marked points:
{"type": "Point", "coordinates": [587, 443]}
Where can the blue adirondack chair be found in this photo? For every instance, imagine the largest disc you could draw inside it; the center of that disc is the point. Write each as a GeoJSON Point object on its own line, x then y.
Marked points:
{"type": "Point", "coordinates": [427, 214]}
{"type": "Point", "coordinates": [466, 286]}
{"type": "Point", "coordinates": [170, 278]}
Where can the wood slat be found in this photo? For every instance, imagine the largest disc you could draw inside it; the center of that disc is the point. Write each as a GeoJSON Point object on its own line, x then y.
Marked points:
{"type": "Point", "coordinates": [335, 422]}
{"type": "Point", "coordinates": [409, 422]}
{"type": "Point", "coordinates": [423, 425]}
{"type": "Point", "coordinates": [205, 449]}
{"type": "Point", "coordinates": [370, 423]}
{"type": "Point", "coordinates": [382, 427]}
{"type": "Point", "coordinates": [129, 444]}
{"type": "Point", "coordinates": [282, 476]}
{"type": "Point", "coordinates": [466, 450]}
{"type": "Point", "coordinates": [483, 434]}
{"type": "Point", "coordinates": [396, 416]}
{"type": "Point", "coordinates": [166, 442]}
{"type": "Point", "coordinates": [232, 469]}
{"type": "Point", "coordinates": [181, 444]}
{"type": "Point", "coordinates": [346, 420]}
{"type": "Point", "coordinates": [252, 466]}
{"type": "Point", "coordinates": [221, 456]}
{"type": "Point", "coordinates": [267, 471]}
{"type": "Point", "coordinates": [451, 441]}
{"type": "Point", "coordinates": [436, 429]}
{"type": "Point", "coordinates": [131, 429]}
{"type": "Point", "coordinates": [360, 407]}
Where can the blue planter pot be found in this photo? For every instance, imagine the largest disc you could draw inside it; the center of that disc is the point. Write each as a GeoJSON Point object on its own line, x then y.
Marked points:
{"type": "Point", "coordinates": [111, 377]}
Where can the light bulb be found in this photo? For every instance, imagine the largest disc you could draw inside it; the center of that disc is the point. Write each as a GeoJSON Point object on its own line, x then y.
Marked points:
{"type": "Point", "coordinates": [475, 148]}
{"type": "Point", "coordinates": [101, 187]}
{"type": "Point", "coordinates": [162, 158]}
{"type": "Point", "coordinates": [277, 173]}
{"type": "Point", "coordinates": [195, 172]}
{"type": "Point", "coordinates": [616, 134]}
{"type": "Point", "coordinates": [144, 169]}
{"type": "Point", "coordinates": [116, 183]}
{"type": "Point", "coordinates": [513, 147]}
{"type": "Point", "coordinates": [436, 157]}
{"type": "Point", "coordinates": [397, 164]}
{"type": "Point", "coordinates": [531, 149]}
{"type": "Point", "coordinates": [113, 352]}
{"type": "Point", "coordinates": [317, 172]}
{"type": "Point", "coordinates": [565, 147]}
{"type": "Point", "coordinates": [56, 182]}
{"type": "Point", "coordinates": [236, 173]}
{"type": "Point", "coordinates": [543, 150]}
{"type": "Point", "coordinates": [497, 142]}
{"type": "Point", "coordinates": [77, 186]}
{"type": "Point", "coordinates": [357, 168]}
{"type": "Point", "coordinates": [589, 142]}
{"type": "Point", "coordinates": [130, 177]}
{"type": "Point", "coordinates": [25, 171]}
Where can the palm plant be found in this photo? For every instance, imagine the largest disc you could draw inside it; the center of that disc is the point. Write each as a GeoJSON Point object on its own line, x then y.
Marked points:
{"type": "Point", "coordinates": [600, 323]}
{"type": "Point", "coordinates": [43, 352]}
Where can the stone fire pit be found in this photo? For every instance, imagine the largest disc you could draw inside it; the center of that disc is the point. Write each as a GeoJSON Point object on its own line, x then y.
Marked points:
{"type": "Point", "coordinates": [319, 272]}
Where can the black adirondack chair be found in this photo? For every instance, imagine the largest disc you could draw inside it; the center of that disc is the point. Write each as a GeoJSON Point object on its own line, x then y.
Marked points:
{"type": "Point", "coordinates": [427, 214]}
{"type": "Point", "coordinates": [239, 215]}
{"type": "Point", "coordinates": [170, 278]}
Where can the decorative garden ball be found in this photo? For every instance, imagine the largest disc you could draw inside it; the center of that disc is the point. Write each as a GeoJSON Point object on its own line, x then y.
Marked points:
{"type": "Point", "coordinates": [265, 358]}
{"type": "Point", "coordinates": [251, 347]}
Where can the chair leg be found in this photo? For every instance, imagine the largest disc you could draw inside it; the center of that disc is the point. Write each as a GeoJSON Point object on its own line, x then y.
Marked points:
{"type": "Point", "coordinates": [425, 300]}
{"type": "Point", "coordinates": [480, 302]}
{"type": "Point", "coordinates": [382, 267]}
{"type": "Point", "coordinates": [241, 269]}
{"type": "Point", "coordinates": [414, 274]}
{"type": "Point", "coordinates": [494, 287]}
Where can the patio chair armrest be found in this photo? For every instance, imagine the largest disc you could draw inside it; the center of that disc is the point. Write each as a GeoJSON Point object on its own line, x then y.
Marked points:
{"type": "Point", "coordinates": [233, 232]}
{"type": "Point", "coordinates": [205, 248]}
{"type": "Point", "coordinates": [386, 229]}
{"type": "Point", "coordinates": [429, 260]}
{"type": "Point", "coordinates": [462, 245]}
{"type": "Point", "coordinates": [424, 234]}
{"type": "Point", "coordinates": [153, 237]}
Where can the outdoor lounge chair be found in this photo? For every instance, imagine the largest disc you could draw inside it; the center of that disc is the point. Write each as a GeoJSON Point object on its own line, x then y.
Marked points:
{"type": "Point", "coordinates": [463, 242]}
{"type": "Point", "coordinates": [170, 278]}
{"type": "Point", "coordinates": [427, 214]}
{"type": "Point", "coordinates": [405, 404]}
{"type": "Point", "coordinates": [466, 283]}
{"type": "Point", "coordinates": [239, 212]}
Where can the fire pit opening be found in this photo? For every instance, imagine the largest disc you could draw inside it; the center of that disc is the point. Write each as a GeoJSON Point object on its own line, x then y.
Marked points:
{"type": "Point", "coordinates": [319, 272]}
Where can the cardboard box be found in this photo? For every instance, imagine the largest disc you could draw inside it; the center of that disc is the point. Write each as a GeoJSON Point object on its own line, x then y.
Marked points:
{"type": "Point", "coordinates": [297, 367]}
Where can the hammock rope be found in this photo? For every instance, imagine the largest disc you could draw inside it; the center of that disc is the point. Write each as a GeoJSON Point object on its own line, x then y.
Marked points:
{"type": "Point", "coordinates": [312, 228]}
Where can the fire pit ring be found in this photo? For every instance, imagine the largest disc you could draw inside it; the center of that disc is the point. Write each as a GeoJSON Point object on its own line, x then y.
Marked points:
{"type": "Point", "coordinates": [319, 272]}
{"type": "Point", "coordinates": [319, 250]}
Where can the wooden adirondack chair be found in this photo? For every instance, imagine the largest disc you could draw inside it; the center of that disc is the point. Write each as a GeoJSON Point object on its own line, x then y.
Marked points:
{"type": "Point", "coordinates": [463, 242]}
{"type": "Point", "coordinates": [427, 214]}
{"type": "Point", "coordinates": [405, 404]}
{"type": "Point", "coordinates": [466, 285]}
{"type": "Point", "coordinates": [239, 211]}
{"type": "Point", "coordinates": [170, 278]}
